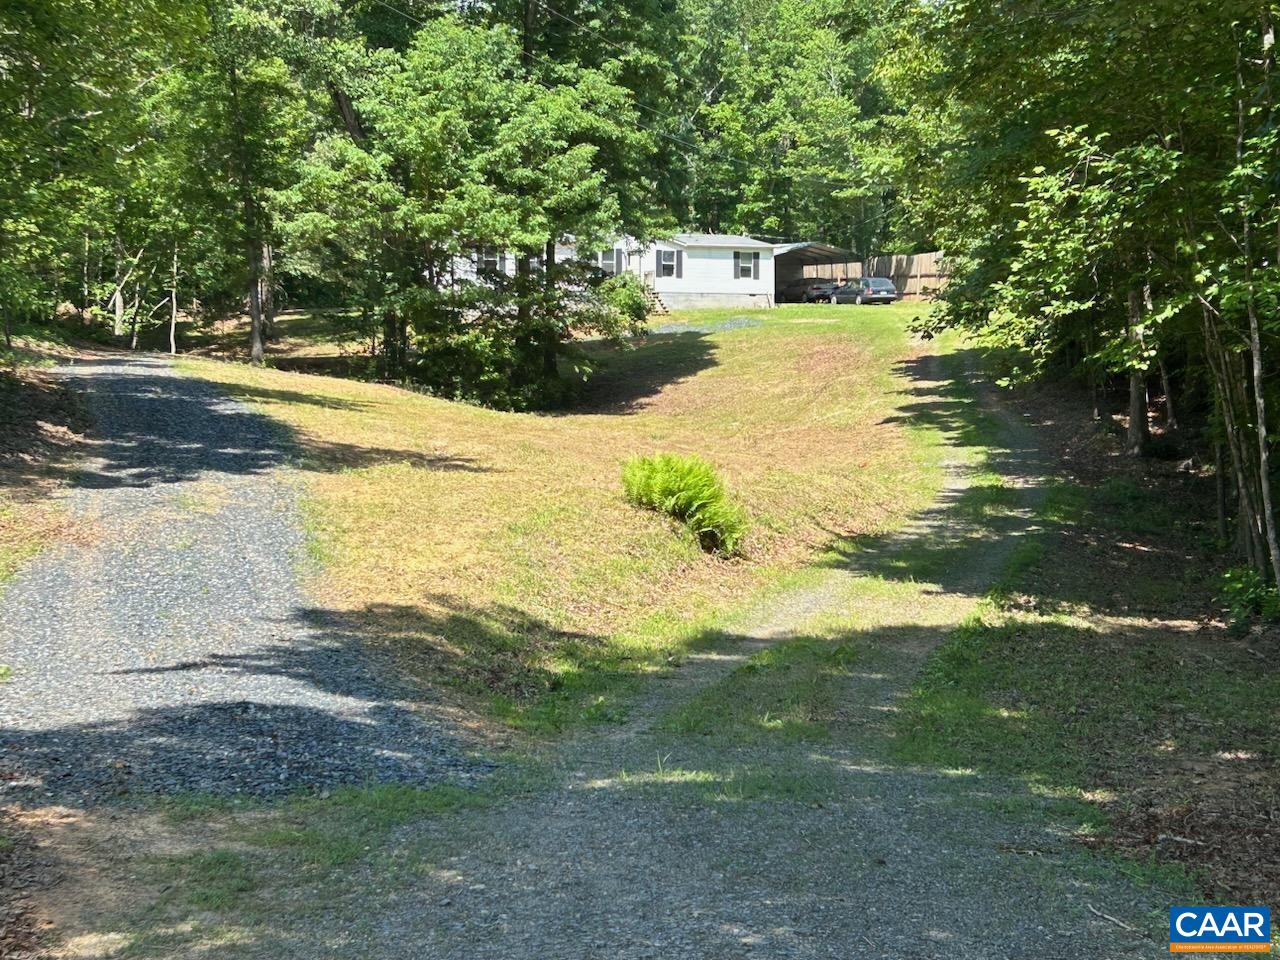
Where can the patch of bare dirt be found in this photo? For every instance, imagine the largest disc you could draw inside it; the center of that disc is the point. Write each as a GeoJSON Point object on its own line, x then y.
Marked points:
{"type": "Point", "coordinates": [41, 427]}
{"type": "Point", "coordinates": [75, 867]}
{"type": "Point", "coordinates": [22, 873]}
{"type": "Point", "coordinates": [1227, 829]}
{"type": "Point", "coordinates": [1215, 811]}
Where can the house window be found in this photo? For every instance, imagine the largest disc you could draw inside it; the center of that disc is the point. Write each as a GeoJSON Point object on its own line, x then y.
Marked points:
{"type": "Point", "coordinates": [666, 263]}
{"type": "Point", "coordinates": [488, 259]}
{"type": "Point", "coordinates": [744, 266]}
{"type": "Point", "coordinates": [608, 262]}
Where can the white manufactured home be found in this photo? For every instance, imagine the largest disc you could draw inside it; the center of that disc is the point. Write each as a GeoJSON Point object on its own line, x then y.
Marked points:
{"type": "Point", "coordinates": [687, 270]}
{"type": "Point", "coordinates": [697, 269]}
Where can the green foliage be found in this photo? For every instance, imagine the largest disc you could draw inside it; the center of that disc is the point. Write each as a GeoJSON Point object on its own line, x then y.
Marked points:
{"type": "Point", "coordinates": [688, 489]}
{"type": "Point", "coordinates": [1086, 236]}
{"type": "Point", "coordinates": [624, 296]}
{"type": "Point", "coordinates": [474, 363]}
{"type": "Point", "coordinates": [782, 135]}
{"type": "Point", "coordinates": [1249, 596]}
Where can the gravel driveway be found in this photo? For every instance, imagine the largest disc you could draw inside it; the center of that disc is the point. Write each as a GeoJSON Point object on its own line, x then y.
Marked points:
{"type": "Point", "coordinates": [174, 649]}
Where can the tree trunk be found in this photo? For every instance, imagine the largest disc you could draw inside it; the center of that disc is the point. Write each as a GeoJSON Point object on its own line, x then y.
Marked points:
{"type": "Point", "coordinates": [550, 333]}
{"type": "Point", "coordinates": [116, 301]}
{"type": "Point", "coordinates": [1220, 491]}
{"type": "Point", "coordinates": [402, 335]}
{"type": "Point", "coordinates": [391, 365]}
{"type": "Point", "coordinates": [117, 308]}
{"type": "Point", "coordinates": [1136, 437]}
{"type": "Point", "coordinates": [255, 306]}
{"type": "Point", "coordinates": [1170, 418]}
{"type": "Point", "coordinates": [84, 282]}
{"type": "Point", "coordinates": [528, 22]}
{"type": "Point", "coordinates": [524, 312]}
{"type": "Point", "coordinates": [1232, 404]}
{"type": "Point", "coordinates": [1094, 393]}
{"type": "Point", "coordinates": [1264, 455]}
{"type": "Point", "coordinates": [347, 110]}
{"type": "Point", "coordinates": [267, 285]}
{"type": "Point", "coordinates": [249, 217]}
{"type": "Point", "coordinates": [1267, 517]}
{"type": "Point", "coordinates": [173, 304]}
{"type": "Point", "coordinates": [139, 296]}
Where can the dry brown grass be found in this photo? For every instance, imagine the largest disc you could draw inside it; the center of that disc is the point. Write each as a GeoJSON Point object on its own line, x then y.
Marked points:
{"type": "Point", "coordinates": [498, 547]}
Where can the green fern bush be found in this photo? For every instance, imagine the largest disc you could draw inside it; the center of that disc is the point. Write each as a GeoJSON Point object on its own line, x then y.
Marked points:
{"type": "Point", "coordinates": [688, 489]}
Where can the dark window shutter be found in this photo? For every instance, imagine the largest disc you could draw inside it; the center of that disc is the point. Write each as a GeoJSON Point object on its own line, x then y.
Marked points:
{"type": "Point", "coordinates": [679, 264]}
{"type": "Point", "coordinates": [502, 262]}
{"type": "Point", "coordinates": [755, 266]}
{"type": "Point", "coordinates": [617, 260]}
{"type": "Point", "coordinates": [737, 264]}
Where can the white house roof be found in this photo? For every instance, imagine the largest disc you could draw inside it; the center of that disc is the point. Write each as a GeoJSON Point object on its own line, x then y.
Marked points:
{"type": "Point", "coordinates": [718, 240]}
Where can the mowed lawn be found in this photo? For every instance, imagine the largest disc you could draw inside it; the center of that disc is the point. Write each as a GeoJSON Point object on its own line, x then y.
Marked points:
{"type": "Point", "coordinates": [496, 552]}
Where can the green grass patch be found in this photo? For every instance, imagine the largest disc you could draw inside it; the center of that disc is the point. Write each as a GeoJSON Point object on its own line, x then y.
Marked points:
{"type": "Point", "coordinates": [1070, 703]}
{"type": "Point", "coordinates": [40, 344]}
{"type": "Point", "coordinates": [337, 830]}
{"type": "Point", "coordinates": [213, 880]}
{"type": "Point", "coordinates": [747, 783]}
{"type": "Point", "coordinates": [261, 862]}
{"type": "Point", "coordinates": [689, 490]}
{"type": "Point", "coordinates": [789, 691]}
{"type": "Point", "coordinates": [1066, 705]}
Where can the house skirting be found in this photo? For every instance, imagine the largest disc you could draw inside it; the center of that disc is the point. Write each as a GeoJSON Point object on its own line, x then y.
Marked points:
{"type": "Point", "coordinates": [682, 300]}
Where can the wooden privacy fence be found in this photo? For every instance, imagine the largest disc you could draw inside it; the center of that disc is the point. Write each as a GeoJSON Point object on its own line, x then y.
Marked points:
{"type": "Point", "coordinates": [917, 276]}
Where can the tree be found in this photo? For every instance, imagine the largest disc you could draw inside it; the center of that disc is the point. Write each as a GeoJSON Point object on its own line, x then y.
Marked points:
{"type": "Point", "coordinates": [1091, 231]}
{"type": "Point", "coordinates": [72, 73]}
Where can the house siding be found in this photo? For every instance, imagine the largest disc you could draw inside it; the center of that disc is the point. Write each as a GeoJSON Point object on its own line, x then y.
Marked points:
{"type": "Point", "coordinates": [708, 278]}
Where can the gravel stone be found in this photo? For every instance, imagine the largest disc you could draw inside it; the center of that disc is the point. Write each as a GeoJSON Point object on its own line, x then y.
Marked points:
{"type": "Point", "coordinates": [738, 322]}
{"type": "Point", "coordinates": [176, 651]}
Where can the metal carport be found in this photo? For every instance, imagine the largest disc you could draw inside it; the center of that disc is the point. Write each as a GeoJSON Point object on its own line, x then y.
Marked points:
{"type": "Point", "coordinates": [790, 259]}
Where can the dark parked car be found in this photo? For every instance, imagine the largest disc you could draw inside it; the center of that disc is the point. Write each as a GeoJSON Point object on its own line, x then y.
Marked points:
{"type": "Point", "coordinates": [817, 291]}
{"type": "Point", "coordinates": [793, 292]}
{"type": "Point", "coordinates": [867, 290]}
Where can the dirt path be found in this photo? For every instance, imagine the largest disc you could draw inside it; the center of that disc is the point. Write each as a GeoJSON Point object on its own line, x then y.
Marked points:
{"type": "Point", "coordinates": [173, 652]}
{"type": "Point", "coordinates": [654, 843]}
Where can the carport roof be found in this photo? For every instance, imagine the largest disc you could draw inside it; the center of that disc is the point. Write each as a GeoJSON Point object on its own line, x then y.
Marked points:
{"type": "Point", "coordinates": [810, 252]}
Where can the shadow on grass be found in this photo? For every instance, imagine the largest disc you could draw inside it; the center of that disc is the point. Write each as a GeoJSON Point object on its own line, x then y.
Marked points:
{"type": "Point", "coordinates": [641, 369]}
{"type": "Point", "coordinates": [39, 423]}
{"type": "Point", "coordinates": [148, 427]}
